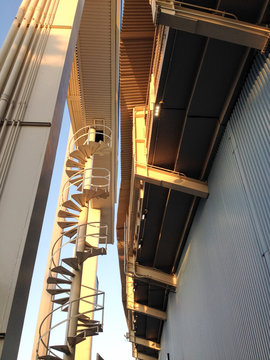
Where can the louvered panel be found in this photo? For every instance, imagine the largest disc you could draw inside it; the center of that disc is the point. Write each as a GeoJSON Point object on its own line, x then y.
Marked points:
{"type": "Point", "coordinates": [94, 58]}
{"type": "Point", "coordinates": [74, 98]}
{"type": "Point", "coordinates": [135, 58]}
{"type": "Point", "coordinates": [251, 127]}
{"type": "Point", "coordinates": [136, 16]}
{"type": "Point", "coordinates": [136, 44]}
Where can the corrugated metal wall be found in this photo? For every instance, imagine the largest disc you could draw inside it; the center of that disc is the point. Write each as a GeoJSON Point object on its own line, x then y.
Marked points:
{"type": "Point", "coordinates": [222, 306]}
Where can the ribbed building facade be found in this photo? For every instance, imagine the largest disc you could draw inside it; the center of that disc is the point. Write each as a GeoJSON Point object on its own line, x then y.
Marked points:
{"type": "Point", "coordinates": [221, 307]}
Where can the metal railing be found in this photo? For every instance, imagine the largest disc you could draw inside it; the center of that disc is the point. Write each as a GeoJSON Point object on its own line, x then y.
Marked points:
{"type": "Point", "coordinates": [98, 179]}
{"type": "Point", "coordinates": [95, 306]}
{"type": "Point", "coordinates": [180, 5]}
{"type": "Point", "coordinates": [83, 136]}
{"type": "Point", "coordinates": [100, 232]}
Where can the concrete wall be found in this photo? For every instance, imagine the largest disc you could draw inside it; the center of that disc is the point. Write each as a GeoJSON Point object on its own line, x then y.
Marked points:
{"type": "Point", "coordinates": [221, 309]}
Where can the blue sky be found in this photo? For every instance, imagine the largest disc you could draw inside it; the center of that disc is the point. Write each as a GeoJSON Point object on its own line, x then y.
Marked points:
{"type": "Point", "coordinates": [111, 344]}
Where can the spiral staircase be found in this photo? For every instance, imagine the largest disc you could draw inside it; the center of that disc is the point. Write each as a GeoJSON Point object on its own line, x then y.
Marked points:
{"type": "Point", "coordinates": [75, 246]}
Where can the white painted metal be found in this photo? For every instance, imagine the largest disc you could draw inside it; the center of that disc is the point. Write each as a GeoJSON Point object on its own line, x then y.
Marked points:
{"type": "Point", "coordinates": [76, 283]}
{"type": "Point", "coordinates": [13, 30]}
{"type": "Point", "coordinates": [24, 195]}
{"type": "Point", "coordinates": [17, 43]}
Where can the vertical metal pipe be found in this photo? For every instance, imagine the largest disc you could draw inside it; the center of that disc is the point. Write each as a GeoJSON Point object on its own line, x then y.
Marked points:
{"type": "Point", "coordinates": [9, 86]}
{"type": "Point", "coordinates": [16, 44]}
{"type": "Point", "coordinates": [88, 172]}
{"type": "Point", "coordinates": [75, 290]}
{"type": "Point", "coordinates": [13, 31]}
{"type": "Point", "coordinates": [89, 275]}
{"type": "Point", "coordinates": [24, 85]}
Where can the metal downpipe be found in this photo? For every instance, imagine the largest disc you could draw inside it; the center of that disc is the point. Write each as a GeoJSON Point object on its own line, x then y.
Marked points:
{"type": "Point", "coordinates": [7, 64]}
{"type": "Point", "coordinates": [19, 60]}
{"type": "Point", "coordinates": [13, 31]}
{"type": "Point", "coordinates": [25, 84]}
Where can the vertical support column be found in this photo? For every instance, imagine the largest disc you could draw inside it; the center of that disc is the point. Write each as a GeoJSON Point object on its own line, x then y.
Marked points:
{"type": "Point", "coordinates": [89, 276]}
{"type": "Point", "coordinates": [76, 282]}
{"type": "Point", "coordinates": [88, 172]}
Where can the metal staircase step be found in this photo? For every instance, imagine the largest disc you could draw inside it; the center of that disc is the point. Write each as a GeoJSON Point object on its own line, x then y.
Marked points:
{"type": "Point", "coordinates": [71, 205]}
{"type": "Point", "coordinates": [61, 301]}
{"type": "Point", "coordinates": [62, 348]}
{"type": "Point", "coordinates": [85, 326]}
{"type": "Point", "coordinates": [65, 309]}
{"type": "Point", "coordinates": [96, 193]}
{"type": "Point", "coordinates": [76, 180]}
{"type": "Point", "coordinates": [83, 255]}
{"type": "Point", "coordinates": [80, 198]}
{"type": "Point", "coordinates": [55, 280]}
{"type": "Point", "coordinates": [94, 147]}
{"type": "Point", "coordinates": [62, 270]}
{"type": "Point", "coordinates": [79, 188]}
{"type": "Point", "coordinates": [85, 319]}
{"type": "Point", "coordinates": [71, 232]}
{"type": "Point", "coordinates": [77, 154]}
{"type": "Point", "coordinates": [91, 332]}
{"type": "Point", "coordinates": [85, 150]}
{"type": "Point", "coordinates": [66, 214]}
{"type": "Point", "coordinates": [72, 163]}
{"type": "Point", "coordinates": [71, 172]}
{"type": "Point", "coordinates": [65, 224]}
{"type": "Point", "coordinates": [72, 262]}
{"type": "Point", "coordinates": [57, 291]}
{"type": "Point", "coordinates": [74, 340]}
{"type": "Point", "coordinates": [49, 357]}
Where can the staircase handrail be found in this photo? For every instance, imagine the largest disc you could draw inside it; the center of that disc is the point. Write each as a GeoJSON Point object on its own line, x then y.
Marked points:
{"type": "Point", "coordinates": [83, 133]}
{"type": "Point", "coordinates": [103, 236]}
{"type": "Point", "coordinates": [77, 182]}
{"type": "Point", "coordinates": [97, 307]}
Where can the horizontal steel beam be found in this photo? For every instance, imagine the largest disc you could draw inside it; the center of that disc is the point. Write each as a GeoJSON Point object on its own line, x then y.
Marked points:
{"type": "Point", "coordinates": [171, 180]}
{"type": "Point", "coordinates": [146, 310]}
{"type": "Point", "coordinates": [153, 274]}
{"type": "Point", "coordinates": [140, 341]}
{"type": "Point", "coordinates": [141, 356]}
{"type": "Point", "coordinates": [140, 308]}
{"type": "Point", "coordinates": [210, 23]}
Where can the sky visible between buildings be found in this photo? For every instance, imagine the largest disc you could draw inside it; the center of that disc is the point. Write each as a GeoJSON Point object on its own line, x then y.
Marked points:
{"type": "Point", "coordinates": [111, 344]}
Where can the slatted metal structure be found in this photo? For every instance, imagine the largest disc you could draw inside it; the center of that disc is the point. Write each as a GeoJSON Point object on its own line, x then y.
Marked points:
{"type": "Point", "coordinates": [136, 43]}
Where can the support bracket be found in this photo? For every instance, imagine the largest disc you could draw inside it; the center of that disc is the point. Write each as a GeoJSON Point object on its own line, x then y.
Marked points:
{"type": "Point", "coordinates": [210, 23]}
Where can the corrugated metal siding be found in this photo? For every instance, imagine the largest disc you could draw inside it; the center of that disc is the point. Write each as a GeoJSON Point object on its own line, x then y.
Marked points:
{"type": "Point", "coordinates": [250, 124]}
{"type": "Point", "coordinates": [222, 306]}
